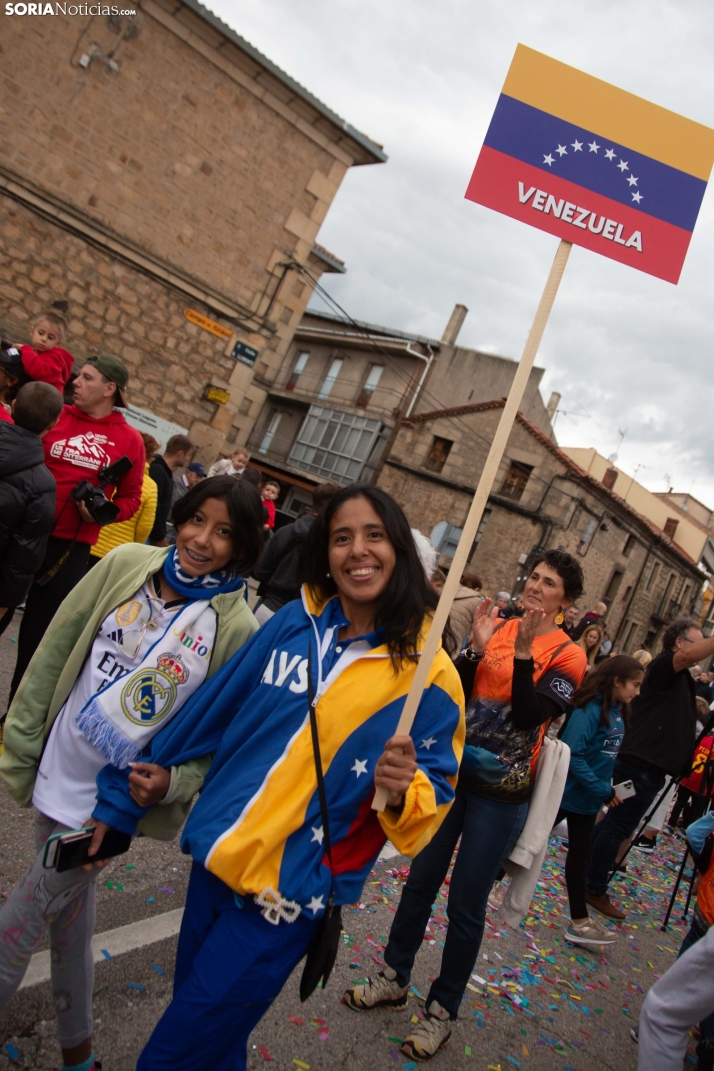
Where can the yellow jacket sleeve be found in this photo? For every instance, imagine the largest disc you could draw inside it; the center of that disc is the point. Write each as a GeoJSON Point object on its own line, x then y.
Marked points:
{"type": "Point", "coordinates": [147, 510]}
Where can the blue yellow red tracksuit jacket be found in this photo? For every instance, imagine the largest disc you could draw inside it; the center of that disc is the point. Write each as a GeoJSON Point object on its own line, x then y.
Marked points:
{"type": "Point", "coordinates": [257, 824]}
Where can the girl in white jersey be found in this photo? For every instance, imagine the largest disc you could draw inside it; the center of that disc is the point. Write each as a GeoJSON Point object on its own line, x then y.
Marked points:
{"type": "Point", "coordinates": [130, 644]}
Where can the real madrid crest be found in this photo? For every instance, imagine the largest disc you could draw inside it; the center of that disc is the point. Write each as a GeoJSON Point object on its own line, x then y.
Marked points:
{"type": "Point", "coordinates": [149, 694]}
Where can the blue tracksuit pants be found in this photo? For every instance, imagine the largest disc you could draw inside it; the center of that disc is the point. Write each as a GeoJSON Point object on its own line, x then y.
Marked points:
{"type": "Point", "coordinates": [230, 966]}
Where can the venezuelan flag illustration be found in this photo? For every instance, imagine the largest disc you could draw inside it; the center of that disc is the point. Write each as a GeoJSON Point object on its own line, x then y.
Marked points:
{"type": "Point", "coordinates": [593, 164]}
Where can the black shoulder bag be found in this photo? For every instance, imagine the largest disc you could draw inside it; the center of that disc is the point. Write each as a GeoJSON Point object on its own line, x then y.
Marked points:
{"type": "Point", "coordinates": [322, 951]}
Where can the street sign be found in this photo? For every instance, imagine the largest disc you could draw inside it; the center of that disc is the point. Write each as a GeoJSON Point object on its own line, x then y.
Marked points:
{"type": "Point", "coordinates": [206, 324]}
{"type": "Point", "coordinates": [594, 165]}
{"type": "Point", "coordinates": [244, 353]}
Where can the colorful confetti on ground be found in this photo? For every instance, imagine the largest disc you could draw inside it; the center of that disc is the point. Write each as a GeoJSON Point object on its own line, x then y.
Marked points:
{"type": "Point", "coordinates": [534, 1000]}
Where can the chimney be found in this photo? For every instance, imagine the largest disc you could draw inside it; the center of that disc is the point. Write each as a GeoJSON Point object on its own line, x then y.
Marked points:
{"type": "Point", "coordinates": [553, 403]}
{"type": "Point", "coordinates": [454, 325]}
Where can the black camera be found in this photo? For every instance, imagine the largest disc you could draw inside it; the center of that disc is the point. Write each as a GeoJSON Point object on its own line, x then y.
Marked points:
{"type": "Point", "coordinates": [98, 505]}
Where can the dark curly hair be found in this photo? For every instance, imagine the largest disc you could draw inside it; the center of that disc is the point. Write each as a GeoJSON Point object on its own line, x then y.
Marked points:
{"type": "Point", "coordinates": [408, 597]}
{"type": "Point", "coordinates": [679, 627]}
{"type": "Point", "coordinates": [245, 509]}
{"type": "Point", "coordinates": [568, 569]}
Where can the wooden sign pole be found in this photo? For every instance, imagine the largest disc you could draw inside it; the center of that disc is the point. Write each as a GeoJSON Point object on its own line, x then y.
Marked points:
{"type": "Point", "coordinates": [480, 499]}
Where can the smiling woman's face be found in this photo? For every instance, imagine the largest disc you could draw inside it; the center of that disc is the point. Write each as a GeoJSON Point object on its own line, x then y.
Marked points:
{"type": "Point", "coordinates": [360, 553]}
{"type": "Point", "coordinates": [205, 542]}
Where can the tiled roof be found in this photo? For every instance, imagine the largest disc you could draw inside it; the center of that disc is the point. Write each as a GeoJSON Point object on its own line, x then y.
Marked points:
{"type": "Point", "coordinates": [584, 477]}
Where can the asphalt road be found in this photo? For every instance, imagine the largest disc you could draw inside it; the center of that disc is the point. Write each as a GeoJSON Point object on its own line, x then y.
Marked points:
{"type": "Point", "coordinates": [576, 1007]}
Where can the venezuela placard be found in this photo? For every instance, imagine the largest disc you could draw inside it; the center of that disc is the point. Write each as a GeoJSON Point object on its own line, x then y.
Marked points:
{"type": "Point", "coordinates": [593, 164]}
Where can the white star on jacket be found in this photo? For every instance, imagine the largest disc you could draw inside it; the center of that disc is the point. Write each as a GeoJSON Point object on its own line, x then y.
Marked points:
{"type": "Point", "coordinates": [360, 767]}
{"type": "Point", "coordinates": [610, 154]}
{"type": "Point", "coordinates": [632, 181]}
{"type": "Point", "coordinates": [318, 834]}
{"type": "Point", "coordinates": [637, 197]}
{"type": "Point", "coordinates": [548, 160]}
{"type": "Point", "coordinates": [622, 166]}
{"type": "Point", "coordinates": [561, 150]}
{"type": "Point", "coordinates": [593, 146]}
{"type": "Point", "coordinates": [427, 743]}
{"type": "Point", "coordinates": [315, 905]}
{"type": "Point", "coordinates": [577, 145]}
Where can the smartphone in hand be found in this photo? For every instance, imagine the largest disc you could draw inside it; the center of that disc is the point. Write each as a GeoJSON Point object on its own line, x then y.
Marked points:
{"type": "Point", "coordinates": [65, 851]}
{"type": "Point", "coordinates": [625, 790]}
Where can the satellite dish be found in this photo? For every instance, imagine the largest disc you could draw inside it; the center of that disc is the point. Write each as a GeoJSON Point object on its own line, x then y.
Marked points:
{"type": "Point", "coordinates": [612, 458]}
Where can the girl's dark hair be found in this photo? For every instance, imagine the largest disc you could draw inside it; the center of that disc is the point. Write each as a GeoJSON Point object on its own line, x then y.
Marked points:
{"type": "Point", "coordinates": [568, 569]}
{"type": "Point", "coordinates": [252, 476]}
{"type": "Point", "coordinates": [408, 596]}
{"type": "Point", "coordinates": [600, 681]}
{"type": "Point", "coordinates": [245, 509]}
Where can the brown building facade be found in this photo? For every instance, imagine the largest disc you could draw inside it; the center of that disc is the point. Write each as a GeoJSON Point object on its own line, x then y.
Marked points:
{"type": "Point", "coordinates": [334, 406]}
{"type": "Point", "coordinates": [540, 499]}
{"type": "Point", "coordinates": [168, 182]}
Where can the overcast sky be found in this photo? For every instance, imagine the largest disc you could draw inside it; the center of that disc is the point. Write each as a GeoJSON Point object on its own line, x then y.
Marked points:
{"type": "Point", "coordinates": [626, 350]}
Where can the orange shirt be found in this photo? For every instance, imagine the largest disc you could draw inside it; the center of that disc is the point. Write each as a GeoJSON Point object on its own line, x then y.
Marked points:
{"type": "Point", "coordinates": [560, 666]}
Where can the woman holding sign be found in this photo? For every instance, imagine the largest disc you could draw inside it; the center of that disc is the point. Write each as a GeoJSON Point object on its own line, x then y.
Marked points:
{"type": "Point", "coordinates": [520, 675]}
{"type": "Point", "coordinates": [303, 719]}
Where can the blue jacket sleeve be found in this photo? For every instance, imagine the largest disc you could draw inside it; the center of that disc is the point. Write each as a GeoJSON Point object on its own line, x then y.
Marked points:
{"type": "Point", "coordinates": [698, 832]}
{"type": "Point", "coordinates": [195, 731]}
{"type": "Point", "coordinates": [580, 734]}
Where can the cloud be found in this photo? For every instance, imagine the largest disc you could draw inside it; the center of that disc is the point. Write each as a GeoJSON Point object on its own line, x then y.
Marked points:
{"type": "Point", "coordinates": [628, 350]}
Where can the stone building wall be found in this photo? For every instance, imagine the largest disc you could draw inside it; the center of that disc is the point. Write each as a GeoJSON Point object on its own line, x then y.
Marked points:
{"type": "Point", "coordinates": [557, 509]}
{"type": "Point", "coordinates": [179, 153]}
{"type": "Point", "coordinates": [112, 309]}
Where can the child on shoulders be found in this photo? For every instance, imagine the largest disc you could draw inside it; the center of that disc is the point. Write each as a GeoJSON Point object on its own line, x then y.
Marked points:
{"type": "Point", "coordinates": [44, 359]}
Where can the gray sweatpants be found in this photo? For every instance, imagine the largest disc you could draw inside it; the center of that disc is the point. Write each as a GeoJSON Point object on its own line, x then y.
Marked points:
{"type": "Point", "coordinates": [67, 904]}
{"type": "Point", "coordinates": [674, 1004]}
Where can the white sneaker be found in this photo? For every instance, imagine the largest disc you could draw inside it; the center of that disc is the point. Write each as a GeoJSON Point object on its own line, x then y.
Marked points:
{"type": "Point", "coordinates": [497, 895]}
{"type": "Point", "coordinates": [429, 1035]}
{"type": "Point", "coordinates": [591, 932]}
{"type": "Point", "coordinates": [381, 991]}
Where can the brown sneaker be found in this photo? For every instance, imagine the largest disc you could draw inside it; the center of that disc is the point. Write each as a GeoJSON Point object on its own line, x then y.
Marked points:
{"type": "Point", "coordinates": [605, 906]}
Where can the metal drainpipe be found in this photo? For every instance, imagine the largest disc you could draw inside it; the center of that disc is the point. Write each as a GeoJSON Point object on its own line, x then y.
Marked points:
{"type": "Point", "coordinates": [420, 384]}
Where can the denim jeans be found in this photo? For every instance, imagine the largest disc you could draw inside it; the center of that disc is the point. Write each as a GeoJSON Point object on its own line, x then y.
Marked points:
{"type": "Point", "coordinates": [705, 1045]}
{"type": "Point", "coordinates": [488, 832]}
{"type": "Point", "coordinates": [621, 821]}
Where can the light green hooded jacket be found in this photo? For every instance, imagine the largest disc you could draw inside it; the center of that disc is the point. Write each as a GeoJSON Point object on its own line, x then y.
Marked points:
{"type": "Point", "coordinates": [59, 659]}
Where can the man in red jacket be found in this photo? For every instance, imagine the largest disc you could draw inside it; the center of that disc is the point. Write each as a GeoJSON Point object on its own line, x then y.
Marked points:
{"type": "Point", "coordinates": [89, 436]}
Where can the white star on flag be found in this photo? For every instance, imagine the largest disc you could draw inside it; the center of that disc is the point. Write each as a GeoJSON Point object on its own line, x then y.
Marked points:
{"type": "Point", "coordinates": [622, 166]}
{"type": "Point", "coordinates": [593, 146]}
{"type": "Point", "coordinates": [315, 905]}
{"type": "Point", "coordinates": [548, 160]}
{"type": "Point", "coordinates": [577, 145]}
{"type": "Point", "coordinates": [318, 834]}
{"type": "Point", "coordinates": [360, 767]}
{"type": "Point", "coordinates": [561, 150]}
{"type": "Point", "coordinates": [610, 154]}
{"type": "Point", "coordinates": [427, 743]}
{"type": "Point", "coordinates": [637, 197]}
{"type": "Point", "coordinates": [632, 180]}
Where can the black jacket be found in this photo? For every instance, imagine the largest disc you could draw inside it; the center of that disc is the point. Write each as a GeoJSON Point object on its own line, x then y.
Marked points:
{"type": "Point", "coordinates": [160, 472]}
{"type": "Point", "coordinates": [278, 569]}
{"type": "Point", "coordinates": [27, 510]}
{"type": "Point", "coordinates": [662, 728]}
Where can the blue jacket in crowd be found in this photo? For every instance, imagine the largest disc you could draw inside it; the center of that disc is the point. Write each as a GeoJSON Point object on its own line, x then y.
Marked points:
{"type": "Point", "coordinates": [593, 750]}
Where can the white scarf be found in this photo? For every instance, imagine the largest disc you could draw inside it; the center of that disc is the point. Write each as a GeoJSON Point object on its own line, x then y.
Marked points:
{"type": "Point", "coordinates": [121, 717]}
